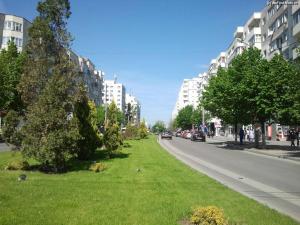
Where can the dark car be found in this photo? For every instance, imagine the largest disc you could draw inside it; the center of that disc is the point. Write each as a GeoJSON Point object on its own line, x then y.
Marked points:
{"type": "Point", "coordinates": [166, 135]}
{"type": "Point", "coordinates": [198, 136]}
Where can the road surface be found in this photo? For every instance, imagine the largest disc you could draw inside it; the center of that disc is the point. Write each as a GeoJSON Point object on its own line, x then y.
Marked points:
{"type": "Point", "coordinates": [269, 180]}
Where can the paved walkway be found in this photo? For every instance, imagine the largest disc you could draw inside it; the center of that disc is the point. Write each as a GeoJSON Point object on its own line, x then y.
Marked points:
{"type": "Point", "coordinates": [280, 149]}
{"type": "Point", "coordinates": [4, 147]}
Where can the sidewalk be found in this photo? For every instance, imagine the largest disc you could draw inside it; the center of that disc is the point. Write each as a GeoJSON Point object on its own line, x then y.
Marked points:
{"type": "Point", "coordinates": [279, 149]}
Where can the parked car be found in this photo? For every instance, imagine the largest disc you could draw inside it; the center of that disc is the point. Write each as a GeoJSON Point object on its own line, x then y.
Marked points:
{"type": "Point", "coordinates": [166, 135]}
{"type": "Point", "coordinates": [178, 134]}
{"type": "Point", "coordinates": [186, 134]}
{"type": "Point", "coordinates": [198, 135]}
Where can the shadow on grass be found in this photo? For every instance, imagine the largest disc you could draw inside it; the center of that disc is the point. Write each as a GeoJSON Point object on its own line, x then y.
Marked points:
{"type": "Point", "coordinates": [100, 155]}
{"type": "Point", "coordinates": [78, 165]}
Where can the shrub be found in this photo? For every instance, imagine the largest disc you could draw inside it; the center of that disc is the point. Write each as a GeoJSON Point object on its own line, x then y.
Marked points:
{"type": "Point", "coordinates": [11, 133]}
{"type": "Point", "coordinates": [131, 132]}
{"type": "Point", "coordinates": [97, 167]}
{"type": "Point", "coordinates": [210, 215]}
{"type": "Point", "coordinates": [17, 165]}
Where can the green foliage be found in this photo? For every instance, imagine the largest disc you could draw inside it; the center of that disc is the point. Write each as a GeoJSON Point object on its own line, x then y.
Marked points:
{"type": "Point", "coordinates": [11, 68]}
{"type": "Point", "coordinates": [11, 131]}
{"type": "Point", "coordinates": [100, 115]}
{"type": "Point", "coordinates": [48, 43]}
{"type": "Point", "coordinates": [85, 112]}
{"type": "Point", "coordinates": [17, 165]}
{"type": "Point", "coordinates": [254, 90]}
{"type": "Point", "coordinates": [185, 116]}
{"type": "Point", "coordinates": [131, 132]}
{"type": "Point", "coordinates": [112, 136]}
{"type": "Point", "coordinates": [210, 215]}
{"type": "Point", "coordinates": [98, 167]}
{"type": "Point", "coordinates": [158, 127]}
{"type": "Point", "coordinates": [50, 90]}
{"type": "Point", "coordinates": [51, 132]}
{"type": "Point", "coordinates": [143, 131]}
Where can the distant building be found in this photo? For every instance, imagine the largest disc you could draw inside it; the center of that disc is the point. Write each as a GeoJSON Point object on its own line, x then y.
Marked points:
{"type": "Point", "coordinates": [93, 80]}
{"type": "Point", "coordinates": [135, 108]}
{"type": "Point", "coordinates": [116, 92]}
{"type": "Point", "coordinates": [189, 93]}
{"type": "Point", "coordinates": [13, 28]}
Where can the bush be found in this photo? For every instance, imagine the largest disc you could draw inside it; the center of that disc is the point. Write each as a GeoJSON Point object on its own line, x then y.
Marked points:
{"type": "Point", "coordinates": [210, 215]}
{"type": "Point", "coordinates": [131, 132]}
{"type": "Point", "coordinates": [11, 133]}
{"type": "Point", "coordinates": [97, 167]}
{"type": "Point", "coordinates": [17, 165]}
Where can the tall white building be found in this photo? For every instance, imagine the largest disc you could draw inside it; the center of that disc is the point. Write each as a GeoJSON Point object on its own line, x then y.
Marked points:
{"type": "Point", "coordinates": [13, 28]}
{"type": "Point", "coordinates": [135, 108]}
{"type": "Point", "coordinates": [93, 80]}
{"type": "Point", "coordinates": [116, 92]}
{"type": "Point", "coordinates": [189, 93]}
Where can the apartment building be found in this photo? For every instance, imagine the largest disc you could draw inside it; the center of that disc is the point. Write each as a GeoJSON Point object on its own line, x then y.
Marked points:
{"type": "Point", "coordinates": [280, 29]}
{"type": "Point", "coordinates": [135, 108]}
{"type": "Point", "coordinates": [215, 64]}
{"type": "Point", "coordinates": [13, 28]}
{"type": "Point", "coordinates": [245, 36]}
{"type": "Point", "coordinates": [93, 80]}
{"type": "Point", "coordinates": [190, 92]}
{"type": "Point", "coordinates": [114, 91]}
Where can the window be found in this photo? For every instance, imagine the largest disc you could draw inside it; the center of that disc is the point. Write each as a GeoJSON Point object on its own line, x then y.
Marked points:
{"type": "Point", "coordinates": [18, 41]}
{"type": "Point", "coordinates": [296, 17]}
{"type": "Point", "coordinates": [10, 25]}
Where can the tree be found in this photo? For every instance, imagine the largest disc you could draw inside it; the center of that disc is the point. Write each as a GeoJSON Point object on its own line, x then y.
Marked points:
{"type": "Point", "coordinates": [158, 127]}
{"type": "Point", "coordinates": [112, 136]}
{"type": "Point", "coordinates": [184, 118]}
{"type": "Point", "coordinates": [11, 131]}
{"type": "Point", "coordinates": [85, 112]}
{"type": "Point", "coordinates": [51, 90]}
{"type": "Point", "coordinates": [11, 67]}
{"type": "Point", "coordinates": [143, 131]}
{"type": "Point", "coordinates": [100, 115]}
{"type": "Point", "coordinates": [286, 83]}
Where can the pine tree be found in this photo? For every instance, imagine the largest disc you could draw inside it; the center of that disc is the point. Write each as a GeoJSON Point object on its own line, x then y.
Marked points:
{"type": "Point", "coordinates": [112, 136]}
{"type": "Point", "coordinates": [50, 89]}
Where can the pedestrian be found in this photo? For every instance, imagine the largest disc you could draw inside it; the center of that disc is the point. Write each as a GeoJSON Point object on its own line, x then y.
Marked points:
{"type": "Point", "coordinates": [292, 135]}
{"type": "Point", "coordinates": [245, 135]}
{"type": "Point", "coordinates": [242, 134]}
{"type": "Point", "coordinates": [251, 135]}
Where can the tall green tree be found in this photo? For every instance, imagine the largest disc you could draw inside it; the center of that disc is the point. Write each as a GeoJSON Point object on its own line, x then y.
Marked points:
{"type": "Point", "coordinates": [184, 118]}
{"type": "Point", "coordinates": [112, 136]}
{"type": "Point", "coordinates": [286, 90]}
{"type": "Point", "coordinates": [11, 68]}
{"type": "Point", "coordinates": [50, 89]}
{"type": "Point", "coordinates": [158, 127]}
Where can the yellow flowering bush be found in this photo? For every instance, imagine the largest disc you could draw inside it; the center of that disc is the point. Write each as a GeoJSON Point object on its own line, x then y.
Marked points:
{"type": "Point", "coordinates": [97, 167]}
{"type": "Point", "coordinates": [210, 215]}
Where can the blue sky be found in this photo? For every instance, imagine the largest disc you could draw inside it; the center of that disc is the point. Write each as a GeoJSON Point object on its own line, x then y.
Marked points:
{"type": "Point", "coordinates": [151, 45]}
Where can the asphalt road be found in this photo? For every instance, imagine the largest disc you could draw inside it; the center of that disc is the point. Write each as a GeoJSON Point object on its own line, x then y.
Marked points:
{"type": "Point", "coordinates": [272, 181]}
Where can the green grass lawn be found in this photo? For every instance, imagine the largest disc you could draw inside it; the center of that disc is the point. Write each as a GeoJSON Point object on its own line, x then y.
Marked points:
{"type": "Point", "coordinates": [162, 193]}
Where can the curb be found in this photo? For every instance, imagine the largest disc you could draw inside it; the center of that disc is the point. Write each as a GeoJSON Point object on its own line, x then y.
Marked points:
{"type": "Point", "coordinates": [272, 155]}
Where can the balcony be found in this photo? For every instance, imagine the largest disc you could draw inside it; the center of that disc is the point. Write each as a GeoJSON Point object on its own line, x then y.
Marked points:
{"type": "Point", "coordinates": [239, 32]}
{"type": "Point", "coordinates": [296, 31]}
{"type": "Point", "coordinates": [254, 20]}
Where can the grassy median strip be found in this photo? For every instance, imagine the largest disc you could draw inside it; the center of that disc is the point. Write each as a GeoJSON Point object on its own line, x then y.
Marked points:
{"type": "Point", "coordinates": [142, 186]}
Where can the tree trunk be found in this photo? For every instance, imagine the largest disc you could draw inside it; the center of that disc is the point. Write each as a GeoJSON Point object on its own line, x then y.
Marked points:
{"type": "Point", "coordinates": [256, 137]}
{"type": "Point", "coordinates": [235, 131]}
{"type": "Point", "coordinates": [263, 134]}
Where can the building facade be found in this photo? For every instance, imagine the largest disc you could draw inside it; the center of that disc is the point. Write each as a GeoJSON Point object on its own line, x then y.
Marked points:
{"type": "Point", "coordinates": [135, 108]}
{"type": "Point", "coordinates": [189, 93]}
{"type": "Point", "coordinates": [13, 28]}
{"type": "Point", "coordinates": [93, 80]}
{"type": "Point", "coordinates": [113, 91]}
